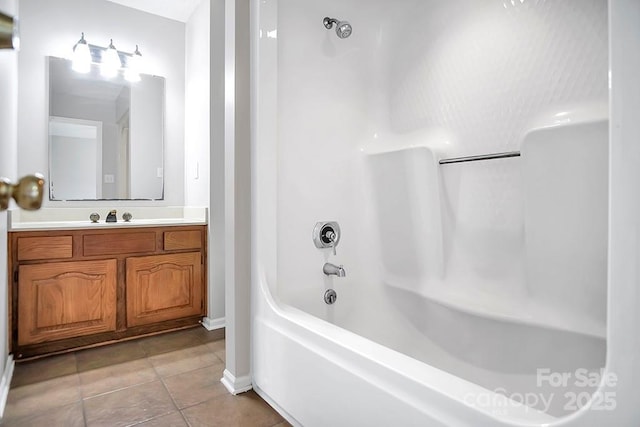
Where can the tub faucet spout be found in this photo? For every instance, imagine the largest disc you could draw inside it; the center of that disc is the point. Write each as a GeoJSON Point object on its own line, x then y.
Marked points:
{"type": "Point", "coordinates": [333, 270]}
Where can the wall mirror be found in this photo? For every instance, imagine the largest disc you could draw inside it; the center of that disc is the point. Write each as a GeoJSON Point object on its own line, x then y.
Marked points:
{"type": "Point", "coordinates": [105, 135]}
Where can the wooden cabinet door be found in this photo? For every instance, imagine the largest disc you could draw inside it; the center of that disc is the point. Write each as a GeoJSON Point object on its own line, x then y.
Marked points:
{"type": "Point", "coordinates": [66, 299]}
{"type": "Point", "coordinates": [164, 287]}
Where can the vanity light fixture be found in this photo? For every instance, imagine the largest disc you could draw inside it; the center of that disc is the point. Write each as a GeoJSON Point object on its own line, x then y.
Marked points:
{"type": "Point", "coordinates": [110, 60]}
{"type": "Point", "coordinates": [81, 56]}
{"type": "Point", "coordinates": [132, 72]}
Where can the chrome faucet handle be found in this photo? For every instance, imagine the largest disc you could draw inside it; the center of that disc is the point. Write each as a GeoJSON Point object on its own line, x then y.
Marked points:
{"type": "Point", "coordinates": [332, 239]}
{"type": "Point", "coordinates": [326, 234]}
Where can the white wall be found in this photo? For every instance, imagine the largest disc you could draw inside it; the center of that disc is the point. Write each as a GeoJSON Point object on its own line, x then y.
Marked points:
{"type": "Point", "coordinates": [237, 194]}
{"type": "Point", "coordinates": [624, 279]}
{"type": "Point", "coordinates": [204, 133]}
{"type": "Point", "coordinates": [217, 224]}
{"type": "Point", "coordinates": [197, 135]}
{"type": "Point", "coordinates": [52, 28]}
{"type": "Point", "coordinates": [8, 169]}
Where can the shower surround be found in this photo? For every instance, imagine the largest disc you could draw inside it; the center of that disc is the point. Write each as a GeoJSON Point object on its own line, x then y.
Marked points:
{"type": "Point", "coordinates": [466, 284]}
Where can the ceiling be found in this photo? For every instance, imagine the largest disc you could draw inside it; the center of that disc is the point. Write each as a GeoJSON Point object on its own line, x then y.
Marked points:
{"type": "Point", "coordinates": [179, 10]}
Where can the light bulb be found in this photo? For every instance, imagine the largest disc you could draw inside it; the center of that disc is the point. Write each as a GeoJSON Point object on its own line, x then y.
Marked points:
{"type": "Point", "coordinates": [81, 56]}
{"type": "Point", "coordinates": [132, 72]}
{"type": "Point", "coordinates": [110, 61]}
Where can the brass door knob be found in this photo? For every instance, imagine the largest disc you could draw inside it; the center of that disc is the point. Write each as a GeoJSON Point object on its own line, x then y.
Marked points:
{"type": "Point", "coordinates": [8, 32]}
{"type": "Point", "coordinates": [27, 193]}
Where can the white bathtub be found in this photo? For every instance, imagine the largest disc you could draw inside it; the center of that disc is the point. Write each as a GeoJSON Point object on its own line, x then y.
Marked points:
{"type": "Point", "coordinates": [345, 365]}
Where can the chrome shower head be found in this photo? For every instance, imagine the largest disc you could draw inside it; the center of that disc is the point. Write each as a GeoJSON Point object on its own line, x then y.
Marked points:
{"type": "Point", "coordinates": [343, 28]}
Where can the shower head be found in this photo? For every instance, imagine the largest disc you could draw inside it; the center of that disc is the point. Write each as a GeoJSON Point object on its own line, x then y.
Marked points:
{"type": "Point", "coordinates": [343, 28]}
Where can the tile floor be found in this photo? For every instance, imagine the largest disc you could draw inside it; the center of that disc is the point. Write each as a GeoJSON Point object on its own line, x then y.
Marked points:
{"type": "Point", "coordinates": [168, 380]}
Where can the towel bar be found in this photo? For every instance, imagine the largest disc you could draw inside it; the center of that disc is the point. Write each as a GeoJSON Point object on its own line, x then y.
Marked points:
{"type": "Point", "coordinates": [480, 157]}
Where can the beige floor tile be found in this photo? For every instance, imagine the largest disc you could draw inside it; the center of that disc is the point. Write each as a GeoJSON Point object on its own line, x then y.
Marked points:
{"type": "Point", "coordinates": [42, 396]}
{"type": "Point", "coordinates": [115, 377]}
{"type": "Point", "coordinates": [207, 336]}
{"type": "Point", "coordinates": [111, 354]}
{"type": "Point", "coordinates": [171, 341]}
{"type": "Point", "coordinates": [122, 387]}
{"type": "Point", "coordinates": [128, 406]}
{"type": "Point", "coordinates": [217, 345]}
{"type": "Point", "coordinates": [174, 419]}
{"type": "Point", "coordinates": [246, 409]}
{"type": "Point", "coordinates": [44, 369]}
{"type": "Point", "coordinates": [218, 348]}
{"type": "Point", "coordinates": [67, 416]}
{"type": "Point", "coordinates": [197, 386]}
{"type": "Point", "coordinates": [185, 360]}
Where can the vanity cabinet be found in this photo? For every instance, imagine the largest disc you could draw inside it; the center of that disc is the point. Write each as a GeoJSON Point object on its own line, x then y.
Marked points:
{"type": "Point", "coordinates": [80, 288]}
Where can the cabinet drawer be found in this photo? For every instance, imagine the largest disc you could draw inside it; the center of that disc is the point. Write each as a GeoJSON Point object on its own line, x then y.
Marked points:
{"type": "Point", "coordinates": [118, 243]}
{"type": "Point", "coordinates": [30, 248]}
{"type": "Point", "coordinates": [182, 240]}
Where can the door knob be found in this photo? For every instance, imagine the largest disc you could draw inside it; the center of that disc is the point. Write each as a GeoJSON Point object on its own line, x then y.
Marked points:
{"type": "Point", "coordinates": [8, 32]}
{"type": "Point", "coordinates": [27, 192]}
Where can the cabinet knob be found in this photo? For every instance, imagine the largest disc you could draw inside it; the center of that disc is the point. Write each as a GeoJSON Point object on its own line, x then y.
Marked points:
{"type": "Point", "coordinates": [27, 192]}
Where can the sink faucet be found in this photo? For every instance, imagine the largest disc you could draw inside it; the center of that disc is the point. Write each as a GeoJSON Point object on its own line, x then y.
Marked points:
{"type": "Point", "coordinates": [333, 270]}
{"type": "Point", "coordinates": [111, 216]}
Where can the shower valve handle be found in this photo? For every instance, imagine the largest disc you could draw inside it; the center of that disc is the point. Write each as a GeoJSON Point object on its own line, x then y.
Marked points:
{"type": "Point", "coordinates": [326, 234]}
{"type": "Point", "coordinates": [332, 239]}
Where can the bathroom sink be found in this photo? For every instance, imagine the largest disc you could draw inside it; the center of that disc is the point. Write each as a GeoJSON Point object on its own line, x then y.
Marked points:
{"type": "Point", "coordinates": [75, 218]}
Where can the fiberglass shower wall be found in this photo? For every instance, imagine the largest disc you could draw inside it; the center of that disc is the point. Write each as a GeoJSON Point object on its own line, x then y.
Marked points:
{"type": "Point", "coordinates": [497, 76]}
{"type": "Point", "coordinates": [488, 270]}
{"type": "Point", "coordinates": [457, 78]}
{"type": "Point", "coordinates": [520, 236]}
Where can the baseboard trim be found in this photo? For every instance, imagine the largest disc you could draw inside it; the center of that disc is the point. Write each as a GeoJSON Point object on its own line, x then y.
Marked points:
{"type": "Point", "coordinates": [5, 383]}
{"type": "Point", "coordinates": [212, 324]}
{"type": "Point", "coordinates": [236, 385]}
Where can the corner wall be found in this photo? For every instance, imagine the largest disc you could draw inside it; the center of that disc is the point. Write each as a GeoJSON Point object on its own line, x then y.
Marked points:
{"type": "Point", "coordinates": [236, 192]}
{"type": "Point", "coordinates": [197, 106]}
{"type": "Point", "coordinates": [8, 169]}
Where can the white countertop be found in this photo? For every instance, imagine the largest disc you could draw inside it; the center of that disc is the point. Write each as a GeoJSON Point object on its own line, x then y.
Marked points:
{"type": "Point", "coordinates": [78, 218]}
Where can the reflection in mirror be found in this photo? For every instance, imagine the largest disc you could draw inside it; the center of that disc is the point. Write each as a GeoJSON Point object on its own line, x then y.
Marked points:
{"type": "Point", "coordinates": [77, 142]}
{"type": "Point", "coordinates": [105, 135]}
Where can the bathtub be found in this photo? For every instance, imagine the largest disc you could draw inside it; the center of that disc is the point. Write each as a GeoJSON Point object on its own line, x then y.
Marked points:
{"type": "Point", "coordinates": [476, 360]}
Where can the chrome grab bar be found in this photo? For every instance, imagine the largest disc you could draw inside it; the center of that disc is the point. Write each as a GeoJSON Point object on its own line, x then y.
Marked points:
{"type": "Point", "coordinates": [504, 155]}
